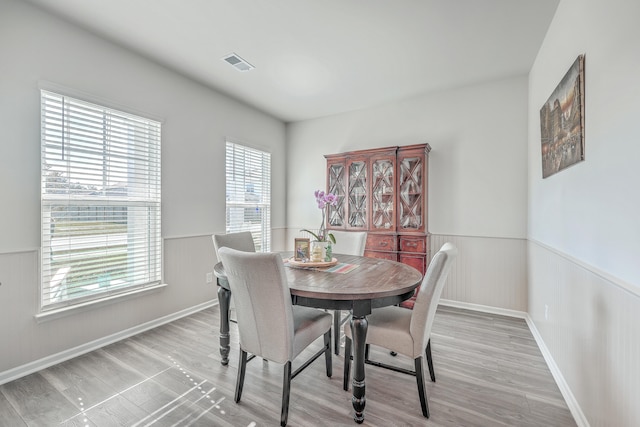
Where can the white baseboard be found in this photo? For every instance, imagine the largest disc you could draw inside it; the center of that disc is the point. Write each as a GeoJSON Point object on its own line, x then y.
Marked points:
{"type": "Point", "coordinates": [45, 362]}
{"type": "Point", "coordinates": [484, 308]}
{"type": "Point", "coordinates": [568, 396]}
{"type": "Point", "coordinates": [572, 403]}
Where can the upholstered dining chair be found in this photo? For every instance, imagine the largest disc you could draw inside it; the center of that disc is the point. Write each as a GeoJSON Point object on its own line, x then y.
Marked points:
{"type": "Point", "coordinates": [405, 331]}
{"type": "Point", "coordinates": [242, 241]}
{"type": "Point", "coordinates": [347, 243]}
{"type": "Point", "coordinates": [269, 325]}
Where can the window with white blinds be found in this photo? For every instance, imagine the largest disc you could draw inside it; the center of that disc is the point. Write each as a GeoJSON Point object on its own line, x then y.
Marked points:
{"type": "Point", "coordinates": [249, 193]}
{"type": "Point", "coordinates": [100, 202]}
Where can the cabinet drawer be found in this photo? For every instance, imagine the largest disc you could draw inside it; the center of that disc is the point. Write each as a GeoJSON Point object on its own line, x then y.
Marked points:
{"type": "Point", "coordinates": [392, 256]}
{"type": "Point", "coordinates": [413, 244]}
{"type": "Point", "coordinates": [381, 242]}
{"type": "Point", "coordinates": [419, 262]}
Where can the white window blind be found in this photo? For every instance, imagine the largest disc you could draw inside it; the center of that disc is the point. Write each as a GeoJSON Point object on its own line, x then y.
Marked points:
{"type": "Point", "coordinates": [249, 193]}
{"type": "Point", "coordinates": [100, 202]}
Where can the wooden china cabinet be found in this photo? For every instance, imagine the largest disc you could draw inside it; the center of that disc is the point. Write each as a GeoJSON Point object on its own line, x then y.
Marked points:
{"type": "Point", "coordinates": [383, 191]}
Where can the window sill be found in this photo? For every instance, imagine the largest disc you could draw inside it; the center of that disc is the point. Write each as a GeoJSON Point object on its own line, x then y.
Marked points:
{"type": "Point", "coordinates": [58, 313]}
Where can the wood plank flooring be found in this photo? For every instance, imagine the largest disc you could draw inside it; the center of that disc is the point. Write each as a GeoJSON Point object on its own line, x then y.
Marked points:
{"type": "Point", "coordinates": [489, 372]}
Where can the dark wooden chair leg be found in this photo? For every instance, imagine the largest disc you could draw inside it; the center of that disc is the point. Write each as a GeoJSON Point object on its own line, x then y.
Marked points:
{"type": "Point", "coordinates": [421, 388]}
{"type": "Point", "coordinates": [336, 332]}
{"type": "Point", "coordinates": [327, 353]}
{"type": "Point", "coordinates": [242, 366]}
{"type": "Point", "coordinates": [347, 363]}
{"type": "Point", "coordinates": [286, 392]}
{"type": "Point", "coordinates": [430, 361]}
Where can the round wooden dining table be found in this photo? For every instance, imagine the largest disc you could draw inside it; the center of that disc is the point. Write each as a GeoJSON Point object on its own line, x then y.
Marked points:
{"type": "Point", "coordinates": [373, 283]}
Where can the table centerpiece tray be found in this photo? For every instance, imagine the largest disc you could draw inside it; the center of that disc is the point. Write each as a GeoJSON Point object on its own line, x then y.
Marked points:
{"type": "Point", "coordinates": [309, 264]}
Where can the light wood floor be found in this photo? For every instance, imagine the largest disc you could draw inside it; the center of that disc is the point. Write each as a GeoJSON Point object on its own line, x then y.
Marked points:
{"type": "Point", "coordinates": [489, 372]}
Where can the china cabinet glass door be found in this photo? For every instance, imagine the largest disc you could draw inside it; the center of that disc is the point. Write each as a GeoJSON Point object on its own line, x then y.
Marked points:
{"type": "Point", "coordinates": [411, 202]}
{"type": "Point", "coordinates": [336, 185]}
{"type": "Point", "coordinates": [357, 195]}
{"type": "Point", "coordinates": [383, 194]}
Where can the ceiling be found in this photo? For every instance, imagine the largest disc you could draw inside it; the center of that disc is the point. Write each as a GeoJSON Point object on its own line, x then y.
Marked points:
{"type": "Point", "coordinates": [315, 58]}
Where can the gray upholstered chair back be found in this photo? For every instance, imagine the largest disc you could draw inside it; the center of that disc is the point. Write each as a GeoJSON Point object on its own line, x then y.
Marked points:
{"type": "Point", "coordinates": [349, 242]}
{"type": "Point", "coordinates": [424, 310]}
{"type": "Point", "coordinates": [242, 241]}
{"type": "Point", "coordinates": [262, 298]}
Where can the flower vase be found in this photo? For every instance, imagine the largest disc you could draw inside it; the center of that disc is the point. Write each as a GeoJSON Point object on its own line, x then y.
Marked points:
{"type": "Point", "coordinates": [318, 251]}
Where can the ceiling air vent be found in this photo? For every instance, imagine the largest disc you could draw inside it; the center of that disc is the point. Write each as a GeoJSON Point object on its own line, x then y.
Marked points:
{"type": "Point", "coordinates": [239, 63]}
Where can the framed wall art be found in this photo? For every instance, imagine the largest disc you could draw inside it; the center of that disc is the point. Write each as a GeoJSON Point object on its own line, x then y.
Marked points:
{"type": "Point", "coordinates": [562, 122]}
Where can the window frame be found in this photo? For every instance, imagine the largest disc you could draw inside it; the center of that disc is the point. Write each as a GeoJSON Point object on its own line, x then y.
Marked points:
{"type": "Point", "coordinates": [262, 238]}
{"type": "Point", "coordinates": [139, 202]}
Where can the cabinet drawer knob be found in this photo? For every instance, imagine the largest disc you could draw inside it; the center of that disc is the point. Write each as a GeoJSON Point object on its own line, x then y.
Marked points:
{"type": "Point", "coordinates": [383, 243]}
{"type": "Point", "coordinates": [412, 245]}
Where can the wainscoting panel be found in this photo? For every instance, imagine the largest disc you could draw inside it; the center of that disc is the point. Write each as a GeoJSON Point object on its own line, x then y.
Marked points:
{"type": "Point", "coordinates": [29, 344]}
{"type": "Point", "coordinates": [187, 261]}
{"type": "Point", "coordinates": [18, 303]}
{"type": "Point", "coordinates": [488, 271]}
{"type": "Point", "coordinates": [590, 324]}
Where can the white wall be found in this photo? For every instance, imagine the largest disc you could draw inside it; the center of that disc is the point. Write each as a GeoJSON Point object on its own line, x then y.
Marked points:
{"type": "Point", "coordinates": [583, 221]}
{"type": "Point", "coordinates": [36, 47]}
{"type": "Point", "coordinates": [590, 210]}
{"type": "Point", "coordinates": [477, 174]}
